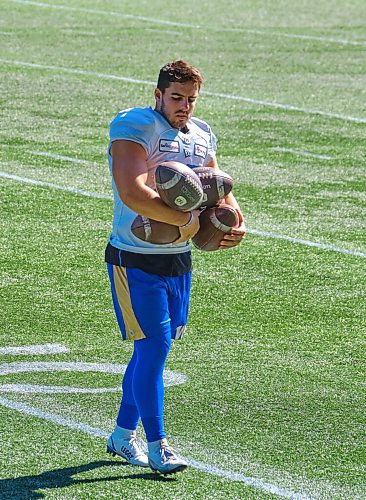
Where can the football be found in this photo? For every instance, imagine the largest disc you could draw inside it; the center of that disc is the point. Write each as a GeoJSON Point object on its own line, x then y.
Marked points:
{"type": "Point", "coordinates": [215, 222]}
{"type": "Point", "coordinates": [178, 186]}
{"type": "Point", "coordinates": [216, 184]}
{"type": "Point", "coordinates": [154, 231]}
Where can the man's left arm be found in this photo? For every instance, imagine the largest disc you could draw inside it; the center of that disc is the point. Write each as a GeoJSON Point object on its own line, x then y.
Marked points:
{"type": "Point", "coordinates": [234, 237]}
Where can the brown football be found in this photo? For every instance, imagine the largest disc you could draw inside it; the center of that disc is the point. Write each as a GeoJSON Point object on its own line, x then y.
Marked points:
{"type": "Point", "coordinates": [215, 222]}
{"type": "Point", "coordinates": [178, 186]}
{"type": "Point", "coordinates": [216, 184]}
{"type": "Point", "coordinates": [154, 231]}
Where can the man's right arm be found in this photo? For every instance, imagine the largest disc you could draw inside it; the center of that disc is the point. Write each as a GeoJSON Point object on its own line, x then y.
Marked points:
{"type": "Point", "coordinates": [130, 173]}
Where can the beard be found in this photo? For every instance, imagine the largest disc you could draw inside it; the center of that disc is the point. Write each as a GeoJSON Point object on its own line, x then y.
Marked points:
{"type": "Point", "coordinates": [174, 121]}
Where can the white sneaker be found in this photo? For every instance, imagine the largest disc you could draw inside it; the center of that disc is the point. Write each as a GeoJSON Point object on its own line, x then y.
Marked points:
{"type": "Point", "coordinates": [124, 443]}
{"type": "Point", "coordinates": [163, 459]}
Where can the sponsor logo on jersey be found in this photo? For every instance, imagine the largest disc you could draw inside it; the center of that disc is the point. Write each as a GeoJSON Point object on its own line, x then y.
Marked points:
{"type": "Point", "coordinates": [186, 140]}
{"type": "Point", "coordinates": [200, 150]}
{"type": "Point", "coordinates": [167, 146]}
{"type": "Point", "coordinates": [187, 152]}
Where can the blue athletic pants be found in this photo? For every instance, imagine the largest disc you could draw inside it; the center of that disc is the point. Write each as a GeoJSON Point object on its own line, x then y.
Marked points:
{"type": "Point", "coordinates": [143, 387]}
{"type": "Point", "coordinates": [152, 310]}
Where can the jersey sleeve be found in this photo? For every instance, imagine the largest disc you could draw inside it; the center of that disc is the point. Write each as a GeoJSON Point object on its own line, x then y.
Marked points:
{"type": "Point", "coordinates": [135, 124]}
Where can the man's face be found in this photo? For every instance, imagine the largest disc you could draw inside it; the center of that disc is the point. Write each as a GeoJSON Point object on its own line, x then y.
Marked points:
{"type": "Point", "coordinates": [177, 103]}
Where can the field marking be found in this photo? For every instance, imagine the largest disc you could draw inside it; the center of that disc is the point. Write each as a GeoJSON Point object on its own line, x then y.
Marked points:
{"type": "Point", "coordinates": [303, 153]}
{"type": "Point", "coordinates": [317, 38]}
{"type": "Point", "coordinates": [55, 389]}
{"type": "Point", "coordinates": [107, 13]}
{"type": "Point", "coordinates": [55, 156]}
{"type": "Point", "coordinates": [127, 79]}
{"type": "Point", "coordinates": [96, 432]}
{"type": "Point", "coordinates": [193, 26]}
{"type": "Point", "coordinates": [56, 419]}
{"type": "Point", "coordinates": [321, 246]}
{"type": "Point", "coordinates": [79, 32]}
{"type": "Point", "coordinates": [164, 32]}
{"type": "Point", "coordinates": [287, 107]}
{"type": "Point", "coordinates": [70, 189]}
{"type": "Point", "coordinates": [34, 349]}
{"type": "Point", "coordinates": [170, 377]}
{"type": "Point", "coordinates": [77, 71]}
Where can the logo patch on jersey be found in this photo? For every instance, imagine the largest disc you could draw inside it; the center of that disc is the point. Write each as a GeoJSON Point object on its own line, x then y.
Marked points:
{"type": "Point", "coordinates": [167, 146]}
{"type": "Point", "coordinates": [200, 150]}
{"type": "Point", "coordinates": [186, 140]}
{"type": "Point", "coordinates": [187, 152]}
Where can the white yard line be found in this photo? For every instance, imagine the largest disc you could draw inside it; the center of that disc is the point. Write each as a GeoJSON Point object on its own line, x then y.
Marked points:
{"type": "Point", "coordinates": [189, 25]}
{"type": "Point", "coordinates": [79, 32]}
{"type": "Point", "coordinates": [77, 71]}
{"type": "Point", "coordinates": [204, 467]}
{"type": "Point", "coordinates": [34, 349]}
{"type": "Point", "coordinates": [107, 13]}
{"type": "Point", "coordinates": [56, 419]}
{"type": "Point", "coordinates": [287, 107]}
{"type": "Point", "coordinates": [321, 246]}
{"type": "Point", "coordinates": [260, 102]}
{"type": "Point", "coordinates": [302, 153]}
{"type": "Point", "coordinates": [55, 156]}
{"type": "Point", "coordinates": [55, 389]}
{"type": "Point", "coordinates": [170, 377]}
{"type": "Point", "coordinates": [26, 180]}
{"type": "Point", "coordinates": [164, 32]}
{"type": "Point", "coordinates": [317, 38]}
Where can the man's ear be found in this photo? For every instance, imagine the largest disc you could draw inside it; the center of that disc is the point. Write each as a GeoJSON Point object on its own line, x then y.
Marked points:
{"type": "Point", "coordinates": [158, 94]}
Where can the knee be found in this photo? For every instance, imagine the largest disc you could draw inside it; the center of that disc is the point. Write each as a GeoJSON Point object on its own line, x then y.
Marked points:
{"type": "Point", "coordinates": [153, 349]}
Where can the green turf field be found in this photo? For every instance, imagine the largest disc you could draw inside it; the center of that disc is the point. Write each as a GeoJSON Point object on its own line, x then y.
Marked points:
{"type": "Point", "coordinates": [272, 402]}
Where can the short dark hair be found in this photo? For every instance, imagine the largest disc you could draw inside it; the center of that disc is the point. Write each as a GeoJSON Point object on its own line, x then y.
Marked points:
{"type": "Point", "coordinates": [178, 71]}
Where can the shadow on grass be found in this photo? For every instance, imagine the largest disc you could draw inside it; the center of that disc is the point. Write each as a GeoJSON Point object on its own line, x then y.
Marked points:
{"type": "Point", "coordinates": [26, 487]}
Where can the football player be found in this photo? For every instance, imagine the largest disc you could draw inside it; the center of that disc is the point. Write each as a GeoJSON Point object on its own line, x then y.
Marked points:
{"type": "Point", "coordinates": [150, 283]}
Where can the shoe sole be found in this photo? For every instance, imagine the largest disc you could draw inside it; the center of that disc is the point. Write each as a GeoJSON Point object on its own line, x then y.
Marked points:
{"type": "Point", "coordinates": [179, 468]}
{"type": "Point", "coordinates": [113, 452]}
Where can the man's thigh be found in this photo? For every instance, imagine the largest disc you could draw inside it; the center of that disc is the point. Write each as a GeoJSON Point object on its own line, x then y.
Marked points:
{"type": "Point", "coordinates": [146, 305]}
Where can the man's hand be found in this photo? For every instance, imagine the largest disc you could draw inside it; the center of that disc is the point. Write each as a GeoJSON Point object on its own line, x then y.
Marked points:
{"type": "Point", "coordinates": [191, 227]}
{"type": "Point", "coordinates": [235, 236]}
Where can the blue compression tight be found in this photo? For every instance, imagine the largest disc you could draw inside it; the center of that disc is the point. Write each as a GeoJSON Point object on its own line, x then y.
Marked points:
{"type": "Point", "coordinates": [143, 387]}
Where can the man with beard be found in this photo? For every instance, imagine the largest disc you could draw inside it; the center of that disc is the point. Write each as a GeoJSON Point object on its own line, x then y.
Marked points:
{"type": "Point", "coordinates": [151, 283]}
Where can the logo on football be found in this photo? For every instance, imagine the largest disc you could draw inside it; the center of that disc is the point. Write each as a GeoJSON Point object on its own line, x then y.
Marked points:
{"type": "Point", "coordinates": [178, 186]}
{"type": "Point", "coordinates": [180, 201]}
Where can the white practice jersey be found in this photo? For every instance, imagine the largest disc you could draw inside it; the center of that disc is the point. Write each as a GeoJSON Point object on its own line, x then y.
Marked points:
{"type": "Point", "coordinates": [162, 143]}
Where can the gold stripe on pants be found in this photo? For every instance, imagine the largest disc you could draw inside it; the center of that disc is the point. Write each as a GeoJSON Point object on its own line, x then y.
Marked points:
{"type": "Point", "coordinates": [133, 329]}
